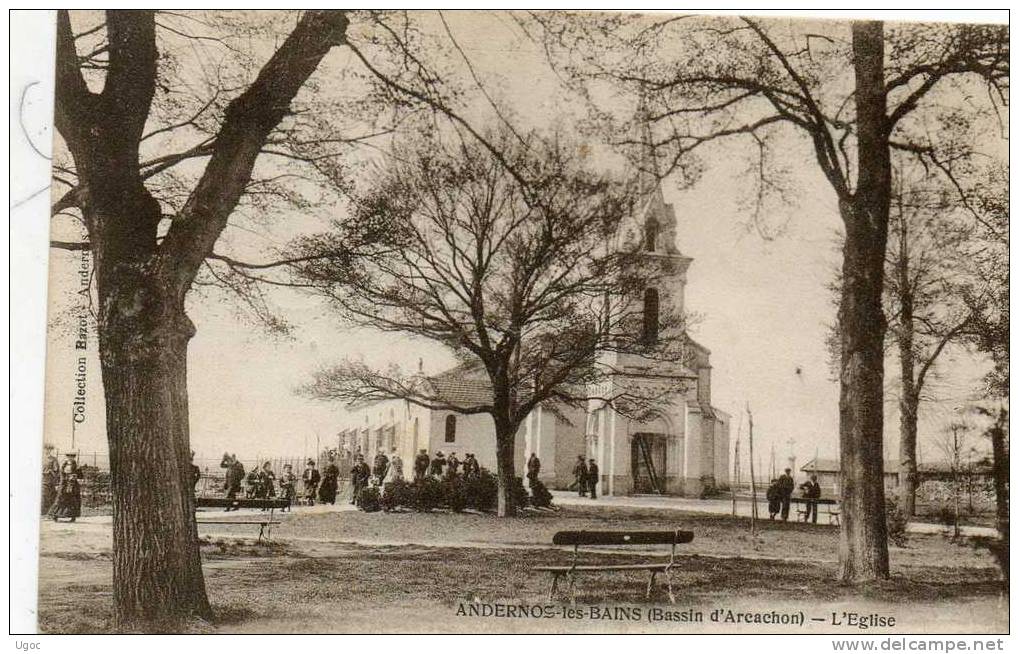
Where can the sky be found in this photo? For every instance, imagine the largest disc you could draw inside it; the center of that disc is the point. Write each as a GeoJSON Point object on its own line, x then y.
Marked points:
{"type": "Point", "coordinates": [763, 304]}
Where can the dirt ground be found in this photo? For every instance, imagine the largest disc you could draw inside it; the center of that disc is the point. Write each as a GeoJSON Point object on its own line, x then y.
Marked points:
{"type": "Point", "coordinates": [352, 572]}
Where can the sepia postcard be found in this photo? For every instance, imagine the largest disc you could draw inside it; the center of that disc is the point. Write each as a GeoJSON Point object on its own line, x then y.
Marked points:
{"type": "Point", "coordinates": [523, 322]}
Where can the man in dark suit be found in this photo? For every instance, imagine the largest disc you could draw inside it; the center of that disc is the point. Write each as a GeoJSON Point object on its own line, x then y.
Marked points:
{"type": "Point", "coordinates": [786, 486]}
{"type": "Point", "coordinates": [533, 469]}
{"type": "Point", "coordinates": [421, 463]}
{"type": "Point", "coordinates": [811, 491]}
{"type": "Point", "coordinates": [580, 475]}
{"type": "Point", "coordinates": [592, 478]}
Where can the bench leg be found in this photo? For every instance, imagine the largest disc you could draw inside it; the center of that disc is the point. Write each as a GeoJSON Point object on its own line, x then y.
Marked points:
{"type": "Point", "coordinates": [573, 589]}
{"type": "Point", "coordinates": [668, 578]}
{"type": "Point", "coordinates": [261, 528]}
{"type": "Point", "coordinates": [650, 585]}
{"type": "Point", "coordinates": [551, 589]}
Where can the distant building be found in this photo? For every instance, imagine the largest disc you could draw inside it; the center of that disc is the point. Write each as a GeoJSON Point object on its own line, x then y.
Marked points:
{"type": "Point", "coordinates": [828, 472]}
{"type": "Point", "coordinates": [684, 450]}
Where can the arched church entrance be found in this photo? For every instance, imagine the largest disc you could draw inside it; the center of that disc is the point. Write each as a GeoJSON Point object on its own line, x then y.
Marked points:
{"type": "Point", "coordinates": [647, 462]}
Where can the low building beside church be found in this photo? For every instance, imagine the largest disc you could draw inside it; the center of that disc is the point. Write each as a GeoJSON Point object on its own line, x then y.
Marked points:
{"type": "Point", "coordinates": [682, 450]}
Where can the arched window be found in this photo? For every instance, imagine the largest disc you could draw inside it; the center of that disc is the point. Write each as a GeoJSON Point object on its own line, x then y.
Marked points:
{"type": "Point", "coordinates": [651, 315]}
{"type": "Point", "coordinates": [450, 428]}
{"type": "Point", "coordinates": [650, 234]}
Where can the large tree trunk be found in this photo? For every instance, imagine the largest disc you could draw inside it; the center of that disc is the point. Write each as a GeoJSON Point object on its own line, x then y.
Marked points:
{"type": "Point", "coordinates": [157, 574]}
{"type": "Point", "coordinates": [863, 543]}
{"type": "Point", "coordinates": [505, 442]}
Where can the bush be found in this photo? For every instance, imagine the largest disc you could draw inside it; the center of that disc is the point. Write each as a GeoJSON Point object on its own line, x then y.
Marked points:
{"type": "Point", "coordinates": [540, 496]}
{"type": "Point", "coordinates": [400, 493]}
{"type": "Point", "coordinates": [895, 521]}
{"type": "Point", "coordinates": [454, 490]}
{"type": "Point", "coordinates": [482, 492]}
{"type": "Point", "coordinates": [945, 515]}
{"type": "Point", "coordinates": [518, 494]}
{"type": "Point", "coordinates": [429, 494]}
{"type": "Point", "coordinates": [370, 500]}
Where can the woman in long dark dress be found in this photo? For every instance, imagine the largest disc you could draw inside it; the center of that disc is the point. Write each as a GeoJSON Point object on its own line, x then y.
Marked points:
{"type": "Point", "coordinates": [69, 500]}
{"type": "Point", "coordinates": [330, 483]}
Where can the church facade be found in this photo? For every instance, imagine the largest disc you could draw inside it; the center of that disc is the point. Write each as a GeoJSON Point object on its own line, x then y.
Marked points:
{"type": "Point", "coordinates": [683, 449]}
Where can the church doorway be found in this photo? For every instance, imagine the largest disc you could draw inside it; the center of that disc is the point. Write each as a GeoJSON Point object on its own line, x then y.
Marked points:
{"type": "Point", "coordinates": [647, 456]}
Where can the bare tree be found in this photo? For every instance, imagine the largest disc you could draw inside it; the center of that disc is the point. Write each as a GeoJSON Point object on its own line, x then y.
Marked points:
{"type": "Point", "coordinates": [927, 274]}
{"type": "Point", "coordinates": [145, 268]}
{"type": "Point", "coordinates": [519, 263]}
{"type": "Point", "coordinates": [856, 92]}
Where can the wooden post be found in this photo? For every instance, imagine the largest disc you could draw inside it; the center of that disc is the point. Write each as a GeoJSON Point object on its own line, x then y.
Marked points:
{"type": "Point", "coordinates": [734, 487]}
{"type": "Point", "coordinates": [753, 482]}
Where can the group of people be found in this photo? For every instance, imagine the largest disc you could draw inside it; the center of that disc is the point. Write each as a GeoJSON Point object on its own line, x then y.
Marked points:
{"type": "Point", "coordinates": [61, 488]}
{"type": "Point", "coordinates": [322, 486]}
{"type": "Point", "coordinates": [442, 467]}
{"type": "Point", "coordinates": [780, 494]}
{"type": "Point", "coordinates": [586, 477]}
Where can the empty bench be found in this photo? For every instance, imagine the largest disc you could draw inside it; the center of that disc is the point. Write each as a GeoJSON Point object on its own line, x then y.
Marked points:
{"type": "Point", "coordinates": [614, 538]}
{"type": "Point", "coordinates": [265, 523]}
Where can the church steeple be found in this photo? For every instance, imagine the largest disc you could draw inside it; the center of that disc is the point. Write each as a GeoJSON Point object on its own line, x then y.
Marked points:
{"type": "Point", "coordinates": [657, 220]}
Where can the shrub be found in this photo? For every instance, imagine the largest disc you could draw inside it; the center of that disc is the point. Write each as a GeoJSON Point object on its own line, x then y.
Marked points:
{"type": "Point", "coordinates": [482, 492]}
{"type": "Point", "coordinates": [454, 490]}
{"type": "Point", "coordinates": [518, 494]}
{"type": "Point", "coordinates": [540, 496]}
{"type": "Point", "coordinates": [944, 515]}
{"type": "Point", "coordinates": [370, 500]}
{"type": "Point", "coordinates": [895, 521]}
{"type": "Point", "coordinates": [400, 493]}
{"type": "Point", "coordinates": [429, 494]}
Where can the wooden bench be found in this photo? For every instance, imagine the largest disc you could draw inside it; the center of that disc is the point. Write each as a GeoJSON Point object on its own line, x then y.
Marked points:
{"type": "Point", "coordinates": [830, 504]}
{"type": "Point", "coordinates": [265, 524]}
{"type": "Point", "coordinates": [614, 538]}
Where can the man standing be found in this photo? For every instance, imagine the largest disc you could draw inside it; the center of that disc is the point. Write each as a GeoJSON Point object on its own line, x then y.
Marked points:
{"type": "Point", "coordinates": [437, 465]}
{"type": "Point", "coordinates": [288, 483]}
{"type": "Point", "coordinates": [359, 476]}
{"type": "Point", "coordinates": [421, 463]}
{"type": "Point", "coordinates": [580, 476]}
{"type": "Point", "coordinates": [196, 475]}
{"type": "Point", "coordinates": [311, 478]}
{"type": "Point", "coordinates": [592, 478]}
{"type": "Point", "coordinates": [533, 468]}
{"type": "Point", "coordinates": [380, 465]}
{"type": "Point", "coordinates": [811, 491]}
{"type": "Point", "coordinates": [471, 468]}
{"type": "Point", "coordinates": [50, 482]}
{"type": "Point", "coordinates": [452, 466]}
{"type": "Point", "coordinates": [786, 486]}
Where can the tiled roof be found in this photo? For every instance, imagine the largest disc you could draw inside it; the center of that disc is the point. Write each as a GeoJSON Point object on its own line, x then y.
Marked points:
{"type": "Point", "coordinates": [464, 386]}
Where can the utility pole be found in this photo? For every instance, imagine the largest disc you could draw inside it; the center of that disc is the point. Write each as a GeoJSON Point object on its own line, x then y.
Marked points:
{"type": "Point", "coordinates": [753, 482]}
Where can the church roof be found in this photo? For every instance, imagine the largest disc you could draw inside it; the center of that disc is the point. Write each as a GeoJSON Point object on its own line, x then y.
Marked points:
{"type": "Point", "coordinates": [463, 385]}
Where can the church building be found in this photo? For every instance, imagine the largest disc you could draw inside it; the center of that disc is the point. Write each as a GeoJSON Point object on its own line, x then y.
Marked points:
{"type": "Point", "coordinates": [682, 450]}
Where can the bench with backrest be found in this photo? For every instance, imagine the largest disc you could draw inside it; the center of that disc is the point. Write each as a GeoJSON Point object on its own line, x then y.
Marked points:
{"type": "Point", "coordinates": [265, 523]}
{"type": "Point", "coordinates": [830, 504]}
{"type": "Point", "coordinates": [615, 538]}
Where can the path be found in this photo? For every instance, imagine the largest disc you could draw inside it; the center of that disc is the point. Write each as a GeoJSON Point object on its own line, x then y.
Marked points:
{"type": "Point", "coordinates": [724, 507]}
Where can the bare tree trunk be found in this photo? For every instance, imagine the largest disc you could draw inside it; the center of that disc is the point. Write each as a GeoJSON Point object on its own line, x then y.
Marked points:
{"type": "Point", "coordinates": [157, 574]}
{"type": "Point", "coordinates": [909, 399]}
{"type": "Point", "coordinates": [1001, 479]}
{"type": "Point", "coordinates": [863, 543]}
